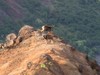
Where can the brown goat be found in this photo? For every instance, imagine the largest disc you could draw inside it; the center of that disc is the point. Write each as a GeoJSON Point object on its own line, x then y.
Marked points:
{"type": "Point", "coordinates": [46, 28]}
{"type": "Point", "coordinates": [1, 45]}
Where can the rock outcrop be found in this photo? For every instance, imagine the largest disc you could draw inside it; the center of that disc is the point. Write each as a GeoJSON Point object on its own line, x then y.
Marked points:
{"type": "Point", "coordinates": [36, 56]}
{"type": "Point", "coordinates": [25, 31]}
{"type": "Point", "coordinates": [10, 40]}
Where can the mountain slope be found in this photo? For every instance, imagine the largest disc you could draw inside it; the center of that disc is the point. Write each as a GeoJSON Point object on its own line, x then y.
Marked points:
{"type": "Point", "coordinates": [38, 56]}
{"type": "Point", "coordinates": [73, 17]}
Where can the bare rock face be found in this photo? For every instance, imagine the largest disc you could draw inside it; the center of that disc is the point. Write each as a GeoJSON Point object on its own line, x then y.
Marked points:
{"type": "Point", "coordinates": [11, 36]}
{"type": "Point", "coordinates": [34, 56]}
{"type": "Point", "coordinates": [9, 43]}
{"type": "Point", "coordinates": [25, 31]}
{"type": "Point", "coordinates": [10, 40]}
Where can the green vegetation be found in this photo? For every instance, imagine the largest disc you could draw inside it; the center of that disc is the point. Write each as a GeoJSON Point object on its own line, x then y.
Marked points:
{"type": "Point", "coordinates": [43, 66]}
{"type": "Point", "coordinates": [76, 21]}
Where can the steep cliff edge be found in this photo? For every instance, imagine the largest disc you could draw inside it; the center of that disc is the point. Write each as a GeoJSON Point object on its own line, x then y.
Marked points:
{"type": "Point", "coordinates": [38, 56]}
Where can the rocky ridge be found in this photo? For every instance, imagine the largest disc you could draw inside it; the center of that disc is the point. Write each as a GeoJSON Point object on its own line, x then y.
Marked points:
{"type": "Point", "coordinates": [35, 55]}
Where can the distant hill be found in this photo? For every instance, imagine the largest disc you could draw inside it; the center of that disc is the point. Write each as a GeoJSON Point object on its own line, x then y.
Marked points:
{"type": "Point", "coordinates": [78, 20]}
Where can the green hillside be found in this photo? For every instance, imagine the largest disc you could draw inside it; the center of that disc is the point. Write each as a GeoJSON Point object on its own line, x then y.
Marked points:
{"type": "Point", "coordinates": [76, 21]}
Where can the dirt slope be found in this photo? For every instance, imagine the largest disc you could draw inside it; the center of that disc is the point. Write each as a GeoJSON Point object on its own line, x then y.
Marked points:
{"type": "Point", "coordinates": [37, 56]}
